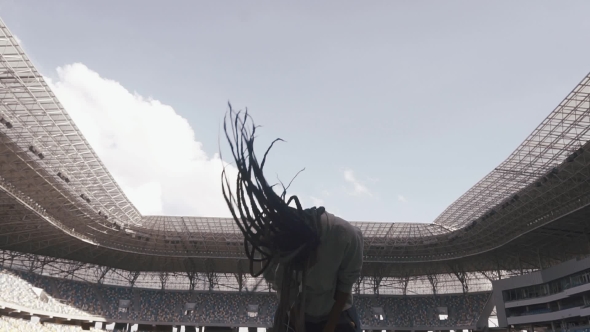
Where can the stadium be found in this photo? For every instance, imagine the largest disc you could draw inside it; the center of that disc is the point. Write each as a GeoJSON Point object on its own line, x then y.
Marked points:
{"type": "Point", "coordinates": [75, 254]}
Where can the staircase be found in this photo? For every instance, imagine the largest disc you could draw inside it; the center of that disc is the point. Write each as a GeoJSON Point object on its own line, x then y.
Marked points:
{"type": "Point", "coordinates": [100, 298]}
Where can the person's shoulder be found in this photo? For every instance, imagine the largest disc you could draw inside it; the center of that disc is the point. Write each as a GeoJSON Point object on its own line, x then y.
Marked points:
{"type": "Point", "coordinates": [341, 226]}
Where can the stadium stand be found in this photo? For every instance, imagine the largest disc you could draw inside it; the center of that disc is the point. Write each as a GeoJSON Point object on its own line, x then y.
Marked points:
{"type": "Point", "coordinates": [420, 311]}
{"type": "Point", "coordinates": [10, 324]}
{"type": "Point", "coordinates": [67, 297]}
{"type": "Point", "coordinates": [18, 288]}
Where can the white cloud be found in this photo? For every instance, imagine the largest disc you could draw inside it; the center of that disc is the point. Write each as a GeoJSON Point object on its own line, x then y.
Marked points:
{"type": "Point", "coordinates": [357, 186]}
{"type": "Point", "coordinates": [149, 149]}
{"type": "Point", "coordinates": [402, 199]}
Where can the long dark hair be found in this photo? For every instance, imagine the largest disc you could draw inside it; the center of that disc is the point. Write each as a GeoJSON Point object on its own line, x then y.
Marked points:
{"type": "Point", "coordinates": [274, 231]}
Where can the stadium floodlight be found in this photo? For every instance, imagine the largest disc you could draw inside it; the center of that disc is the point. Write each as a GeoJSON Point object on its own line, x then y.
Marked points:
{"type": "Point", "coordinates": [104, 215]}
{"type": "Point", "coordinates": [85, 196]}
{"type": "Point", "coordinates": [140, 236]}
{"type": "Point", "coordinates": [6, 119]}
{"type": "Point", "coordinates": [172, 239]}
{"type": "Point", "coordinates": [37, 149]}
{"type": "Point", "coordinates": [64, 176]}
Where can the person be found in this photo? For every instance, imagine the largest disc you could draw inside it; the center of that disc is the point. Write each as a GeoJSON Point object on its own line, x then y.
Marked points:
{"type": "Point", "coordinates": [312, 258]}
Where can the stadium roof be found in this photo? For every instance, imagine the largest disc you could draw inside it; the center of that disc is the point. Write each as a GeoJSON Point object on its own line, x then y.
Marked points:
{"type": "Point", "coordinates": [52, 182]}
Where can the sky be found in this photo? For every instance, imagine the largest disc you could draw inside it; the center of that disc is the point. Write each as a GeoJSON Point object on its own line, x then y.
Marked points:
{"type": "Point", "coordinates": [394, 108]}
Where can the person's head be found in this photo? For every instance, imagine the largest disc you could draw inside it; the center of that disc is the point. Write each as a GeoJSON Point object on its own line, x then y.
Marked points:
{"type": "Point", "coordinates": [273, 226]}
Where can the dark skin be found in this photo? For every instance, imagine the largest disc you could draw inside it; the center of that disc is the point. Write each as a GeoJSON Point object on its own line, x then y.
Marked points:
{"type": "Point", "coordinates": [340, 299]}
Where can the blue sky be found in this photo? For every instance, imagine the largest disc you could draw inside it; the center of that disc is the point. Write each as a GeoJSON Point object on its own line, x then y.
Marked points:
{"type": "Point", "coordinates": [395, 108]}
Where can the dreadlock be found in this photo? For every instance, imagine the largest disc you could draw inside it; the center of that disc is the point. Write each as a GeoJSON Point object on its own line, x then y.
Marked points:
{"type": "Point", "coordinates": [273, 230]}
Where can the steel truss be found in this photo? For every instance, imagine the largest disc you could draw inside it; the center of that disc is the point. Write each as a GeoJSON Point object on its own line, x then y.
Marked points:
{"type": "Point", "coordinates": [555, 139]}
{"type": "Point", "coordinates": [453, 283]}
{"type": "Point", "coordinates": [58, 200]}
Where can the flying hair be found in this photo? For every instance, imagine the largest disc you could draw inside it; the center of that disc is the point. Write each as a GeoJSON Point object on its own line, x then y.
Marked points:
{"type": "Point", "coordinates": [274, 231]}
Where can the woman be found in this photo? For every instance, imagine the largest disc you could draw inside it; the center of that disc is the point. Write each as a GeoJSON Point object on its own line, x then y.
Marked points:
{"type": "Point", "coordinates": [311, 257]}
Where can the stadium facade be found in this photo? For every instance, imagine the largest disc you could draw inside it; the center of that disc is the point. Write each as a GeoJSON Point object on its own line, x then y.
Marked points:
{"type": "Point", "coordinates": [63, 215]}
{"type": "Point", "coordinates": [556, 299]}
